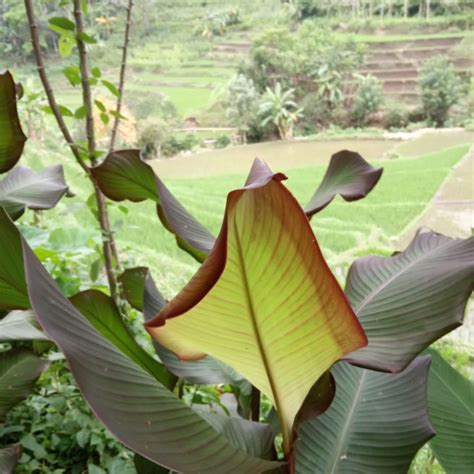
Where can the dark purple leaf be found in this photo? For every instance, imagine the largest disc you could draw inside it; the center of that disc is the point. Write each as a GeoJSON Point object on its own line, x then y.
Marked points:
{"type": "Point", "coordinates": [349, 175]}
{"type": "Point", "coordinates": [124, 175]}
{"type": "Point", "coordinates": [407, 301]}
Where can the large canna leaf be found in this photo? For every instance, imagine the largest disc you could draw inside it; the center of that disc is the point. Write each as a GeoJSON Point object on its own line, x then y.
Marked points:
{"type": "Point", "coordinates": [19, 370]}
{"type": "Point", "coordinates": [124, 175]}
{"type": "Point", "coordinates": [102, 312]}
{"type": "Point", "coordinates": [206, 371]}
{"type": "Point", "coordinates": [265, 301]}
{"type": "Point", "coordinates": [132, 404]}
{"type": "Point", "coordinates": [12, 138]}
{"type": "Point", "coordinates": [349, 175]}
{"type": "Point", "coordinates": [23, 188]}
{"type": "Point", "coordinates": [407, 301]}
{"type": "Point", "coordinates": [9, 458]}
{"type": "Point", "coordinates": [376, 423]}
{"type": "Point", "coordinates": [20, 326]}
{"type": "Point", "coordinates": [13, 294]}
{"type": "Point", "coordinates": [451, 407]}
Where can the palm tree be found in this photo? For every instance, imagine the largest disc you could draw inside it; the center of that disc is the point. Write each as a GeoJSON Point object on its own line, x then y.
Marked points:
{"type": "Point", "coordinates": [280, 109]}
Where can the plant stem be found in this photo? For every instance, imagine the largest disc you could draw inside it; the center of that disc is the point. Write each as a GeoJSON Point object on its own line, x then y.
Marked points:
{"type": "Point", "coordinates": [103, 218]}
{"type": "Point", "coordinates": [123, 68]}
{"type": "Point", "coordinates": [107, 237]}
{"type": "Point", "coordinates": [255, 404]}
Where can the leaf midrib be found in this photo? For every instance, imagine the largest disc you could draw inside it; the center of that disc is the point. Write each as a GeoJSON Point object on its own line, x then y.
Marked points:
{"type": "Point", "coordinates": [380, 288]}
{"type": "Point", "coordinates": [345, 429]}
{"type": "Point", "coordinates": [253, 319]}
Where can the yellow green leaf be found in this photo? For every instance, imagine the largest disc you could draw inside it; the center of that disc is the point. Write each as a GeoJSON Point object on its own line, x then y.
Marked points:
{"type": "Point", "coordinates": [264, 301]}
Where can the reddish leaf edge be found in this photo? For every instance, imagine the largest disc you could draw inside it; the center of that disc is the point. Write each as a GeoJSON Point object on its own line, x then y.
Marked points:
{"type": "Point", "coordinates": [210, 271]}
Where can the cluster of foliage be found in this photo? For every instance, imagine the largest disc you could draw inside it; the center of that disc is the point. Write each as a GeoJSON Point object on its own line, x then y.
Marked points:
{"type": "Point", "coordinates": [309, 64]}
{"type": "Point", "coordinates": [441, 88]}
{"type": "Point", "coordinates": [58, 432]}
{"type": "Point", "coordinates": [216, 24]}
{"type": "Point", "coordinates": [299, 335]}
{"type": "Point", "coordinates": [368, 99]}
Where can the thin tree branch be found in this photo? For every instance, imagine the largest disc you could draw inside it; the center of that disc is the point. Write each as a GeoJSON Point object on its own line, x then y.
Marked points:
{"type": "Point", "coordinates": [107, 237]}
{"type": "Point", "coordinates": [47, 86]}
{"type": "Point", "coordinates": [123, 68]}
{"type": "Point", "coordinates": [85, 77]}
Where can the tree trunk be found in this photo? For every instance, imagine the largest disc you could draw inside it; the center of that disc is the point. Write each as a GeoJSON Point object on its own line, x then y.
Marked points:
{"type": "Point", "coordinates": [405, 9]}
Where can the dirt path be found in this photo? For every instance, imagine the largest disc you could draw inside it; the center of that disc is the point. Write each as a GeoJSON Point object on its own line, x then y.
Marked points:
{"type": "Point", "coordinates": [451, 212]}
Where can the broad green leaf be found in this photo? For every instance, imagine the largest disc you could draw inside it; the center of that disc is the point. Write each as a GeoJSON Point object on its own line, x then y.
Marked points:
{"type": "Point", "coordinates": [124, 175]}
{"type": "Point", "coordinates": [9, 458]}
{"type": "Point", "coordinates": [407, 301]}
{"type": "Point", "coordinates": [451, 407]}
{"type": "Point", "coordinates": [376, 423]}
{"type": "Point", "coordinates": [86, 38]}
{"type": "Point", "coordinates": [65, 24]}
{"type": "Point", "coordinates": [100, 105]}
{"type": "Point", "coordinates": [103, 314]}
{"type": "Point", "coordinates": [13, 293]}
{"type": "Point", "coordinates": [66, 45]}
{"type": "Point", "coordinates": [104, 118]}
{"type": "Point", "coordinates": [267, 282]}
{"type": "Point", "coordinates": [96, 72]}
{"type": "Point", "coordinates": [20, 326]}
{"type": "Point", "coordinates": [65, 112]}
{"type": "Point", "coordinates": [141, 292]}
{"type": "Point", "coordinates": [23, 188]}
{"type": "Point", "coordinates": [80, 112]}
{"type": "Point", "coordinates": [73, 75]}
{"type": "Point", "coordinates": [132, 404]}
{"type": "Point", "coordinates": [19, 370]}
{"type": "Point", "coordinates": [348, 175]}
{"type": "Point", "coordinates": [12, 138]}
{"type": "Point", "coordinates": [112, 89]}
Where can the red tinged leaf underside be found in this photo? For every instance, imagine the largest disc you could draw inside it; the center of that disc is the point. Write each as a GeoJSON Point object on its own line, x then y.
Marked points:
{"type": "Point", "coordinates": [265, 301]}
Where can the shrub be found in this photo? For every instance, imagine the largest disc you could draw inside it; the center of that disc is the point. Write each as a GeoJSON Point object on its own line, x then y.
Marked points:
{"type": "Point", "coordinates": [174, 144]}
{"type": "Point", "coordinates": [242, 103]}
{"type": "Point", "coordinates": [368, 98]}
{"type": "Point", "coordinates": [222, 142]}
{"type": "Point", "coordinates": [395, 116]}
{"type": "Point", "coordinates": [152, 133]}
{"type": "Point", "coordinates": [440, 89]}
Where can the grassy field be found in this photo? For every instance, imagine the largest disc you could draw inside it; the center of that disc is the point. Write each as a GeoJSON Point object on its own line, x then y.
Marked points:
{"type": "Point", "coordinates": [344, 230]}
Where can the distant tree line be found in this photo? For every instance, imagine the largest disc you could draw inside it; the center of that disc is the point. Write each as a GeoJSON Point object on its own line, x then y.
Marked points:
{"type": "Point", "coordinates": [381, 8]}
